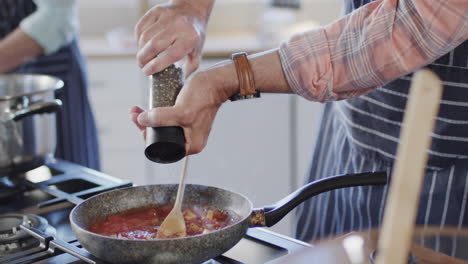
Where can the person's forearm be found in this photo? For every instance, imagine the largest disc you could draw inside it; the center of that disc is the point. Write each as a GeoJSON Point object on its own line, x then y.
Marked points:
{"type": "Point", "coordinates": [371, 46]}
{"type": "Point", "coordinates": [202, 95]}
{"type": "Point", "coordinates": [53, 25]}
{"type": "Point", "coordinates": [17, 48]}
{"type": "Point", "coordinates": [267, 71]}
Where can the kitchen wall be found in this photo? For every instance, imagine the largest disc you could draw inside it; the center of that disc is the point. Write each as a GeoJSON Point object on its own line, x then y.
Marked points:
{"type": "Point", "coordinates": [260, 148]}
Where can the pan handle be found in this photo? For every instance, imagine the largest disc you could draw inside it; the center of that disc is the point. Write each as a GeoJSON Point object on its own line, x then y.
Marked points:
{"type": "Point", "coordinates": [274, 213]}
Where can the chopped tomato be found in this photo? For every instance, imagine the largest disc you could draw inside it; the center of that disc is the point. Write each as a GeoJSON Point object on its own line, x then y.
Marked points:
{"type": "Point", "coordinates": [143, 223]}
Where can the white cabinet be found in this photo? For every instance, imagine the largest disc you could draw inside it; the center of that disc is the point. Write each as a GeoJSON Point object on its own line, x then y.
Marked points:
{"type": "Point", "coordinates": [115, 84]}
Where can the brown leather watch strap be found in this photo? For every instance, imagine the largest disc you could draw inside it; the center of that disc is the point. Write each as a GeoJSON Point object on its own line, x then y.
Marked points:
{"type": "Point", "coordinates": [246, 78]}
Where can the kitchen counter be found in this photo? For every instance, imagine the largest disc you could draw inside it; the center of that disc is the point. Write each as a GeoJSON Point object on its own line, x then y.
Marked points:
{"type": "Point", "coordinates": [431, 245]}
{"type": "Point", "coordinates": [215, 46]}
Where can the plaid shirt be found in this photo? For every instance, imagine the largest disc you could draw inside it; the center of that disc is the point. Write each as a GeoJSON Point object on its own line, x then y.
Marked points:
{"type": "Point", "coordinates": [371, 46]}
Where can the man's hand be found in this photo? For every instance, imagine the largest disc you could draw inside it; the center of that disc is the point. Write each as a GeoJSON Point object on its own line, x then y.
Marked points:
{"type": "Point", "coordinates": [168, 33]}
{"type": "Point", "coordinates": [195, 110]}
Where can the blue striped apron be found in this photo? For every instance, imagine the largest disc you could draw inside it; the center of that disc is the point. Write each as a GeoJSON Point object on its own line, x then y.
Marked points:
{"type": "Point", "coordinates": [76, 130]}
{"type": "Point", "coordinates": [361, 134]}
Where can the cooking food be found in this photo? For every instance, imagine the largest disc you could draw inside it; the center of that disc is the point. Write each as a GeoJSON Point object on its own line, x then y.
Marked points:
{"type": "Point", "coordinates": [143, 223]}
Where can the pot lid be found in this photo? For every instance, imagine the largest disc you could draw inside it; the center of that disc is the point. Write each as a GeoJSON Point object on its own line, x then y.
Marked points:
{"type": "Point", "coordinates": [17, 85]}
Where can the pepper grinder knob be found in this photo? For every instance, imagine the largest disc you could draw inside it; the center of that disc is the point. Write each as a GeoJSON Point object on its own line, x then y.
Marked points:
{"type": "Point", "coordinates": [165, 144]}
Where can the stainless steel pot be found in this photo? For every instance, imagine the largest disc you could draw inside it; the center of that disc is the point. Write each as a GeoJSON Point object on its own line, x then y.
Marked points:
{"type": "Point", "coordinates": [27, 121]}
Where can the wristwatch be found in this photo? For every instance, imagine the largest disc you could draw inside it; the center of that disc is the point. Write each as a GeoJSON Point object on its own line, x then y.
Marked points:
{"type": "Point", "coordinates": [246, 78]}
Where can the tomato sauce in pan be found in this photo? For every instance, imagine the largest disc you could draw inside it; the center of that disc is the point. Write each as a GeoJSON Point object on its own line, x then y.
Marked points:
{"type": "Point", "coordinates": [143, 223]}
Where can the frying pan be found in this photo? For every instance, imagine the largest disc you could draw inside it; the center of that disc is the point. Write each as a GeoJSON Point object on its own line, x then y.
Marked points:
{"type": "Point", "coordinates": [198, 248]}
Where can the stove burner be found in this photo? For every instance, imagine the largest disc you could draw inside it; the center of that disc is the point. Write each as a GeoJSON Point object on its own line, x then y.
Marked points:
{"type": "Point", "coordinates": [13, 239]}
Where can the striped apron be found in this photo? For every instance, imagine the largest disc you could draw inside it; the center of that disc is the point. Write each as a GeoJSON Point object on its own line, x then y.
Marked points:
{"type": "Point", "coordinates": [361, 134]}
{"type": "Point", "coordinates": [76, 130]}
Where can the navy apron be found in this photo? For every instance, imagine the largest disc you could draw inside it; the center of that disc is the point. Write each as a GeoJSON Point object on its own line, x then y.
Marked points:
{"type": "Point", "coordinates": [361, 134]}
{"type": "Point", "coordinates": [76, 130]}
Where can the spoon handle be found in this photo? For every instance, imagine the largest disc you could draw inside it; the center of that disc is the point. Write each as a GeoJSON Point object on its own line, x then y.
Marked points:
{"type": "Point", "coordinates": [410, 164]}
{"type": "Point", "coordinates": [181, 189]}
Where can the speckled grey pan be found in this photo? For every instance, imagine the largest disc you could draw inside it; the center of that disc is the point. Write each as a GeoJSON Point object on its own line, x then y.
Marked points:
{"type": "Point", "coordinates": [197, 248]}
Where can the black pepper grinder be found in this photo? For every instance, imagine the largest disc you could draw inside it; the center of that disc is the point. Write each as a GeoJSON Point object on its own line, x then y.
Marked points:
{"type": "Point", "coordinates": [165, 144]}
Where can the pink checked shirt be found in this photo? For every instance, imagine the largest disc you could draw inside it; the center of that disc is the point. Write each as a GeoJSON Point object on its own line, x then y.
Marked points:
{"type": "Point", "coordinates": [371, 46]}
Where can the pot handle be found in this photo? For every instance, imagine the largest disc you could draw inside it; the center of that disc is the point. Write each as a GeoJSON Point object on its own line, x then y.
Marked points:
{"type": "Point", "coordinates": [37, 108]}
{"type": "Point", "coordinates": [274, 213]}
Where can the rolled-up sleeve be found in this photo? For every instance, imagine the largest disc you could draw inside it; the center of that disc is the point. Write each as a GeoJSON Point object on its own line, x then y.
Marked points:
{"type": "Point", "coordinates": [53, 25]}
{"type": "Point", "coordinates": [371, 46]}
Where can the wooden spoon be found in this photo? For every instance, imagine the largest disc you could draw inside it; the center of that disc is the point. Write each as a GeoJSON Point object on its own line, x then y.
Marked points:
{"type": "Point", "coordinates": [405, 187]}
{"type": "Point", "coordinates": [174, 224]}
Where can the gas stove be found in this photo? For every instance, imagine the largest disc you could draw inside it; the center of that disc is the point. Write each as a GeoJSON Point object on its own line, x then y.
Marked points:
{"type": "Point", "coordinates": [35, 228]}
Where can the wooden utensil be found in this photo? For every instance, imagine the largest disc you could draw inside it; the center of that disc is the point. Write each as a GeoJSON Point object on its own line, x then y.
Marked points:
{"type": "Point", "coordinates": [174, 224]}
{"type": "Point", "coordinates": [404, 191]}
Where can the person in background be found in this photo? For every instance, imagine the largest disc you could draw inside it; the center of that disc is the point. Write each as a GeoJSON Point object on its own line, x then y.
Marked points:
{"type": "Point", "coordinates": [361, 66]}
{"type": "Point", "coordinates": [40, 37]}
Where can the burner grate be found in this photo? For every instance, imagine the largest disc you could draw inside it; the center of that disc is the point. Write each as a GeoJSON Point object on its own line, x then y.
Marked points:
{"type": "Point", "coordinates": [49, 246]}
{"type": "Point", "coordinates": [9, 187]}
{"type": "Point", "coordinates": [75, 184]}
{"type": "Point", "coordinates": [13, 239]}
